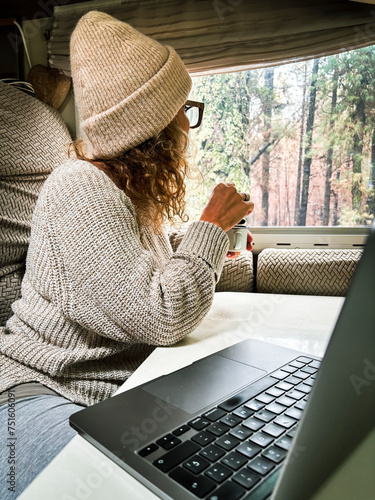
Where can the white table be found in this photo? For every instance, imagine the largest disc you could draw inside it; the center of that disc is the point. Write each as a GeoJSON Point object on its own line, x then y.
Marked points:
{"type": "Point", "coordinates": [304, 323]}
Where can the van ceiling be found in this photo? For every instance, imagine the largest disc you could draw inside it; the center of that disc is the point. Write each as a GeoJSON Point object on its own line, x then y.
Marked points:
{"type": "Point", "coordinates": [31, 9]}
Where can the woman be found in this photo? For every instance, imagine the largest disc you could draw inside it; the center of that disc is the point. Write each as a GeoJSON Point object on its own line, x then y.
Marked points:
{"type": "Point", "coordinates": [102, 286]}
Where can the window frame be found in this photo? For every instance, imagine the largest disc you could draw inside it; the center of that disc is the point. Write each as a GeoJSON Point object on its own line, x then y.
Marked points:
{"type": "Point", "coordinates": [309, 237]}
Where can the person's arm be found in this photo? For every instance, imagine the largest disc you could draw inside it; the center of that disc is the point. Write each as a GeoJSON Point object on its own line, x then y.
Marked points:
{"type": "Point", "coordinates": [108, 282]}
{"type": "Point", "coordinates": [225, 208]}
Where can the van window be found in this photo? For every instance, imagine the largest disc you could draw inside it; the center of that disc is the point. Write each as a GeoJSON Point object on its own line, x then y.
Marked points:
{"type": "Point", "coordinates": [299, 137]}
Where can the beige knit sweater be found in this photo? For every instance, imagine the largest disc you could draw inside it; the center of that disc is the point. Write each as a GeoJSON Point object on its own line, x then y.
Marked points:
{"type": "Point", "coordinates": [100, 291]}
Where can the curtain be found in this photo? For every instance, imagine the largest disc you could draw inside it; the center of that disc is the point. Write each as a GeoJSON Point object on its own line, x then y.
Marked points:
{"type": "Point", "coordinates": [214, 36]}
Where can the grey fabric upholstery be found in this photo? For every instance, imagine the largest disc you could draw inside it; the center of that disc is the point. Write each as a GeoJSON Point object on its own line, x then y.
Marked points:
{"type": "Point", "coordinates": [306, 272]}
{"type": "Point", "coordinates": [175, 237]}
{"type": "Point", "coordinates": [237, 275]}
{"type": "Point", "coordinates": [33, 141]}
{"type": "Point", "coordinates": [10, 291]}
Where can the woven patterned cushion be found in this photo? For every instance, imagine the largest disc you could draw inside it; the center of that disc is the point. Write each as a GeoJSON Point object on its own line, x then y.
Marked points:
{"type": "Point", "coordinates": [237, 275]}
{"type": "Point", "coordinates": [10, 291]}
{"type": "Point", "coordinates": [306, 272]}
{"type": "Point", "coordinates": [33, 141]}
{"type": "Point", "coordinates": [176, 236]}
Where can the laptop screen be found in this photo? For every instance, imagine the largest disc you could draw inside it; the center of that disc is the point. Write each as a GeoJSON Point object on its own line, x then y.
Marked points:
{"type": "Point", "coordinates": [341, 409]}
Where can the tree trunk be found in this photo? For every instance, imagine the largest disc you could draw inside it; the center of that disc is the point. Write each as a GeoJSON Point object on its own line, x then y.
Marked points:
{"type": "Point", "coordinates": [372, 174]}
{"type": "Point", "coordinates": [335, 218]}
{"type": "Point", "coordinates": [327, 188]}
{"type": "Point", "coordinates": [307, 155]}
{"type": "Point", "coordinates": [357, 157]}
{"type": "Point", "coordinates": [300, 151]}
{"type": "Point", "coordinates": [287, 213]}
{"type": "Point", "coordinates": [267, 113]}
{"type": "Point", "coordinates": [371, 197]}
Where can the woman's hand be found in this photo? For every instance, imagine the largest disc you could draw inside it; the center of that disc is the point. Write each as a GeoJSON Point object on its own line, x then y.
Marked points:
{"type": "Point", "coordinates": [226, 207]}
{"type": "Point", "coordinates": [249, 247]}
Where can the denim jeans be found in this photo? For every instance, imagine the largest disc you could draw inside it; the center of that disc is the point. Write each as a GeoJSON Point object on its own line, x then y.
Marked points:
{"type": "Point", "coordinates": [33, 430]}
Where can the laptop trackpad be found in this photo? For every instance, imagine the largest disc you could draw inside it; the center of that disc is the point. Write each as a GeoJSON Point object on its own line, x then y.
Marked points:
{"type": "Point", "coordinates": [203, 383]}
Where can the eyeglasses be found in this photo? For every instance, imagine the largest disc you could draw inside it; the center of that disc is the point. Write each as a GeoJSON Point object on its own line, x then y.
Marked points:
{"type": "Point", "coordinates": [194, 111]}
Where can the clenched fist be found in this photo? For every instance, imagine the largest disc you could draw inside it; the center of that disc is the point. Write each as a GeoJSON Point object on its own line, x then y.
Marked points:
{"type": "Point", "coordinates": [226, 207]}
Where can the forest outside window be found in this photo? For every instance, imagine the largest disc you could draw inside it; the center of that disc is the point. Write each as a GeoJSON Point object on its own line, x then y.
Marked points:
{"type": "Point", "coordinates": [299, 137]}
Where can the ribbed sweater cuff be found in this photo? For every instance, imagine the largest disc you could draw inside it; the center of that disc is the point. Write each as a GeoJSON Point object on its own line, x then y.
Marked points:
{"type": "Point", "coordinates": [207, 241]}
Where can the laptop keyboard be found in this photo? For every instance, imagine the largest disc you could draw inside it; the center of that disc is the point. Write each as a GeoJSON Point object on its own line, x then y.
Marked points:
{"type": "Point", "coordinates": [236, 449]}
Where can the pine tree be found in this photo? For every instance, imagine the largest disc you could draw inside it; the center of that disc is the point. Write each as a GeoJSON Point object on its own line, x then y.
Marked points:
{"type": "Point", "coordinates": [307, 154]}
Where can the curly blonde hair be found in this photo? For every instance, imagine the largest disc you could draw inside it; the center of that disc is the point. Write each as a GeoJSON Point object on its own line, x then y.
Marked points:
{"type": "Point", "coordinates": [151, 174]}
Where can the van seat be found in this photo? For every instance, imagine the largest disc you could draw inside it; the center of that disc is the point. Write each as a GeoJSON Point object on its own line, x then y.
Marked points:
{"type": "Point", "coordinates": [33, 141]}
{"type": "Point", "coordinates": [306, 272]}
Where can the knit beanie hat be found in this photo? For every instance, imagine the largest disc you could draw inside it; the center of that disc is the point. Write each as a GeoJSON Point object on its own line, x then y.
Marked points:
{"type": "Point", "coordinates": [128, 87]}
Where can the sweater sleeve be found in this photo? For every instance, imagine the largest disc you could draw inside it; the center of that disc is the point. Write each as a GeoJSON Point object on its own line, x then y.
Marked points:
{"type": "Point", "coordinates": [107, 281]}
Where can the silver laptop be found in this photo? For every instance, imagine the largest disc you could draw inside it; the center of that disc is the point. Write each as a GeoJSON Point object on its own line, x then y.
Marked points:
{"type": "Point", "coordinates": [252, 421]}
